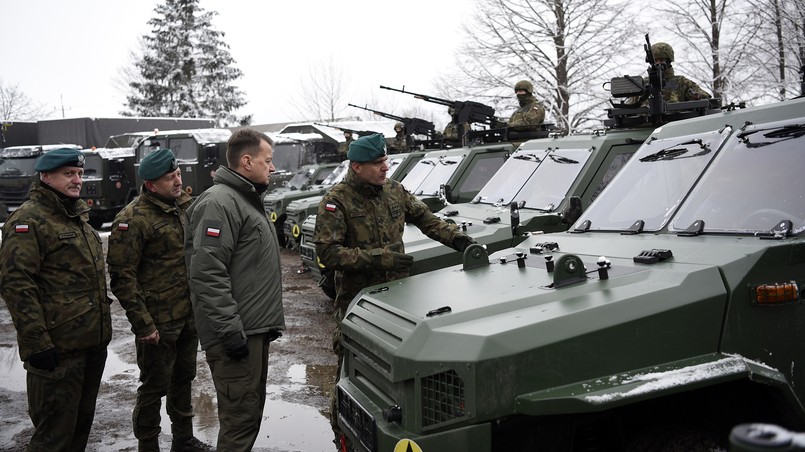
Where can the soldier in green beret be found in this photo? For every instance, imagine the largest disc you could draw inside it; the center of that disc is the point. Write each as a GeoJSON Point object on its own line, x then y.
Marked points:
{"type": "Point", "coordinates": [359, 231]}
{"type": "Point", "coordinates": [149, 278]}
{"type": "Point", "coordinates": [53, 282]}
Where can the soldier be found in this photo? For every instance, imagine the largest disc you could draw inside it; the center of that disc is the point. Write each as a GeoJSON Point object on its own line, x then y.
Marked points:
{"type": "Point", "coordinates": [453, 130]}
{"type": "Point", "coordinates": [531, 113]}
{"type": "Point", "coordinates": [344, 147]}
{"type": "Point", "coordinates": [359, 231]}
{"type": "Point", "coordinates": [399, 143]}
{"type": "Point", "coordinates": [675, 88]}
{"type": "Point", "coordinates": [234, 267]}
{"type": "Point", "coordinates": [149, 278]}
{"type": "Point", "coordinates": [54, 284]}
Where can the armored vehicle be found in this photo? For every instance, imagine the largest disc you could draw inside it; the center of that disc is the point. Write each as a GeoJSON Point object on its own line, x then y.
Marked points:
{"type": "Point", "coordinates": [17, 173]}
{"type": "Point", "coordinates": [670, 312]}
{"type": "Point", "coordinates": [292, 151]}
{"type": "Point", "coordinates": [305, 182]}
{"type": "Point", "coordinates": [198, 152]}
{"type": "Point", "coordinates": [109, 182]}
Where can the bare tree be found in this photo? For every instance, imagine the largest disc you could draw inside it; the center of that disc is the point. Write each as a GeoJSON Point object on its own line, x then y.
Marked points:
{"type": "Point", "coordinates": [717, 36]}
{"type": "Point", "coordinates": [17, 106]}
{"type": "Point", "coordinates": [568, 48]}
{"type": "Point", "coordinates": [324, 93]}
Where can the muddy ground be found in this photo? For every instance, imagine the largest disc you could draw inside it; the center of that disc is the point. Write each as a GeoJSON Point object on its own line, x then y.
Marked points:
{"type": "Point", "coordinates": [301, 375]}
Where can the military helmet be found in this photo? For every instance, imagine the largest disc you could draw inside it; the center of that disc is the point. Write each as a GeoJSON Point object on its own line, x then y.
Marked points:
{"type": "Point", "coordinates": [524, 85]}
{"type": "Point", "coordinates": [663, 50]}
{"type": "Point", "coordinates": [398, 125]}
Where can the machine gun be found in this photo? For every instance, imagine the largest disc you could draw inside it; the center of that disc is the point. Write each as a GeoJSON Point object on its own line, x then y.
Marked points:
{"type": "Point", "coordinates": [360, 133]}
{"type": "Point", "coordinates": [650, 107]}
{"type": "Point", "coordinates": [465, 111]}
{"type": "Point", "coordinates": [411, 126]}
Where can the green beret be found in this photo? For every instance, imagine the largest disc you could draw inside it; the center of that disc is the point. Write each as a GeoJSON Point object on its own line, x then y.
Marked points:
{"type": "Point", "coordinates": [367, 148]}
{"type": "Point", "coordinates": [156, 164]}
{"type": "Point", "coordinates": [57, 158]}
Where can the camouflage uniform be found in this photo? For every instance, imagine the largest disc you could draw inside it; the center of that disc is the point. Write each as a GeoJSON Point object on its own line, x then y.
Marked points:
{"type": "Point", "coordinates": [149, 278]}
{"type": "Point", "coordinates": [531, 113]}
{"type": "Point", "coordinates": [355, 222]}
{"type": "Point", "coordinates": [53, 282]}
{"type": "Point", "coordinates": [343, 148]}
{"type": "Point", "coordinates": [677, 88]}
{"type": "Point", "coordinates": [399, 143]}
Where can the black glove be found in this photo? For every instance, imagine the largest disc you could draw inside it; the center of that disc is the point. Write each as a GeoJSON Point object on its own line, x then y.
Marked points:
{"type": "Point", "coordinates": [44, 360]}
{"type": "Point", "coordinates": [461, 242]}
{"type": "Point", "coordinates": [394, 261]}
{"type": "Point", "coordinates": [236, 346]}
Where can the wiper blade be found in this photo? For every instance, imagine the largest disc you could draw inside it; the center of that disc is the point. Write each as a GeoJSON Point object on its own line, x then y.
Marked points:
{"type": "Point", "coordinates": [791, 131]}
{"type": "Point", "coordinates": [560, 159]}
{"type": "Point", "coordinates": [673, 152]}
{"type": "Point", "coordinates": [448, 162]}
{"type": "Point", "coordinates": [531, 157]}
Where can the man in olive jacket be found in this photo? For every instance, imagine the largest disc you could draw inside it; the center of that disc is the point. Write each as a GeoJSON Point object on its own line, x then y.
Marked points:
{"type": "Point", "coordinates": [234, 268]}
{"type": "Point", "coordinates": [148, 276]}
{"type": "Point", "coordinates": [54, 284]}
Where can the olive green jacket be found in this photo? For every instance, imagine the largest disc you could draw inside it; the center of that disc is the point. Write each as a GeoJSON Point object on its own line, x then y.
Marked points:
{"type": "Point", "coordinates": [233, 261]}
{"type": "Point", "coordinates": [52, 276]}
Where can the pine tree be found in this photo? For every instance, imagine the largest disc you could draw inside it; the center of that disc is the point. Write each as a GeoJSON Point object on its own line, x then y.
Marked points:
{"type": "Point", "coordinates": [186, 70]}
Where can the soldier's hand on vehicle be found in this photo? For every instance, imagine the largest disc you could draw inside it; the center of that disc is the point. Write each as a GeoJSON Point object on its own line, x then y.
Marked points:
{"type": "Point", "coordinates": [392, 260]}
{"type": "Point", "coordinates": [235, 345]}
{"type": "Point", "coordinates": [461, 242]}
{"type": "Point", "coordinates": [44, 360]}
{"type": "Point", "coordinates": [152, 338]}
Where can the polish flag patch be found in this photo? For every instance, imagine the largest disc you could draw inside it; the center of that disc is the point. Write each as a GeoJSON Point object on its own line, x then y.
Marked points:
{"type": "Point", "coordinates": [213, 232]}
{"type": "Point", "coordinates": [21, 228]}
{"type": "Point", "coordinates": [123, 227]}
{"type": "Point", "coordinates": [330, 207]}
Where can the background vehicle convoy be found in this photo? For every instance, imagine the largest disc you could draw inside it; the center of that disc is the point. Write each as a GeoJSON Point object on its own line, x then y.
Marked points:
{"type": "Point", "coordinates": [109, 182]}
{"type": "Point", "coordinates": [670, 312]}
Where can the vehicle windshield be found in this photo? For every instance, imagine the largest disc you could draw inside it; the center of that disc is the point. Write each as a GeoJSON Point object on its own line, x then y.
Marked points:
{"type": "Point", "coordinates": [93, 167]}
{"type": "Point", "coordinates": [394, 164]}
{"type": "Point", "coordinates": [287, 156]}
{"type": "Point", "coordinates": [338, 174]}
{"type": "Point", "coordinates": [18, 166]}
{"type": "Point", "coordinates": [651, 186]}
{"type": "Point", "coordinates": [184, 148]}
{"type": "Point", "coordinates": [301, 178]}
{"type": "Point", "coordinates": [418, 173]}
{"type": "Point", "coordinates": [511, 177]}
{"type": "Point", "coordinates": [754, 184]}
{"type": "Point", "coordinates": [548, 186]}
{"type": "Point", "coordinates": [443, 169]}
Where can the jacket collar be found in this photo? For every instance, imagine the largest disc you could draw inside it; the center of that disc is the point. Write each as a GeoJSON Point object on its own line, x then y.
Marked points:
{"type": "Point", "coordinates": [362, 187]}
{"type": "Point", "coordinates": [183, 201]}
{"type": "Point", "coordinates": [67, 206]}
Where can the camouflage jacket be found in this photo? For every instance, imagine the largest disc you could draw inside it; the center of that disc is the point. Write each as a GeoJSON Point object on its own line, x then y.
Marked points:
{"type": "Point", "coordinates": [531, 113]}
{"type": "Point", "coordinates": [343, 148]}
{"type": "Point", "coordinates": [451, 131]}
{"type": "Point", "coordinates": [397, 145]}
{"type": "Point", "coordinates": [146, 262]}
{"type": "Point", "coordinates": [354, 218]}
{"type": "Point", "coordinates": [677, 88]}
{"type": "Point", "coordinates": [233, 261]}
{"type": "Point", "coordinates": [52, 276]}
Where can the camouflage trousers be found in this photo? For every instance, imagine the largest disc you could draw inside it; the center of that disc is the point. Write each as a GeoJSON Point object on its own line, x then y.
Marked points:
{"type": "Point", "coordinates": [61, 402]}
{"type": "Point", "coordinates": [240, 387]}
{"type": "Point", "coordinates": [166, 369]}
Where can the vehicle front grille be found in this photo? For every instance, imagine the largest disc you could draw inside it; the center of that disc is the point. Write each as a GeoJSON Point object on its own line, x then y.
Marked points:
{"type": "Point", "coordinates": [358, 420]}
{"type": "Point", "coordinates": [442, 398]}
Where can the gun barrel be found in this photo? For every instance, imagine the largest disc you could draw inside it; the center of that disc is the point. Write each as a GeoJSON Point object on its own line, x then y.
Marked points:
{"type": "Point", "coordinates": [425, 97]}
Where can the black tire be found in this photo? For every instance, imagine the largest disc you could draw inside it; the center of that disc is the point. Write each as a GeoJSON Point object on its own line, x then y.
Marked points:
{"type": "Point", "coordinates": [327, 283]}
{"type": "Point", "coordinates": [676, 439]}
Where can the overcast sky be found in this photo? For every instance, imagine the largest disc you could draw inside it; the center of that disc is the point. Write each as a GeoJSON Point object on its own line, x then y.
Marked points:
{"type": "Point", "coordinates": [67, 54]}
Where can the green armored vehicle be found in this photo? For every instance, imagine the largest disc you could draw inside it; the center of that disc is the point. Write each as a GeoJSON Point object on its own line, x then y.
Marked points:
{"type": "Point", "coordinates": [17, 173]}
{"type": "Point", "coordinates": [198, 152]}
{"type": "Point", "coordinates": [109, 182]}
{"type": "Point", "coordinates": [671, 311]}
{"type": "Point", "coordinates": [307, 181]}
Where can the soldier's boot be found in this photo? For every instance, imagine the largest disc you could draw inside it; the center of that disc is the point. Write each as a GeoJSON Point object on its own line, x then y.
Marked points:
{"type": "Point", "coordinates": [190, 444]}
{"type": "Point", "coordinates": [148, 445]}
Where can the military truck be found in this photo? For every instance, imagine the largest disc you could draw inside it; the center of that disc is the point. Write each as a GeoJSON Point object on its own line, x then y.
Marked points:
{"type": "Point", "coordinates": [293, 150]}
{"type": "Point", "coordinates": [671, 311]}
{"type": "Point", "coordinates": [307, 181]}
{"type": "Point", "coordinates": [198, 152]}
{"type": "Point", "coordinates": [109, 182]}
{"type": "Point", "coordinates": [17, 173]}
